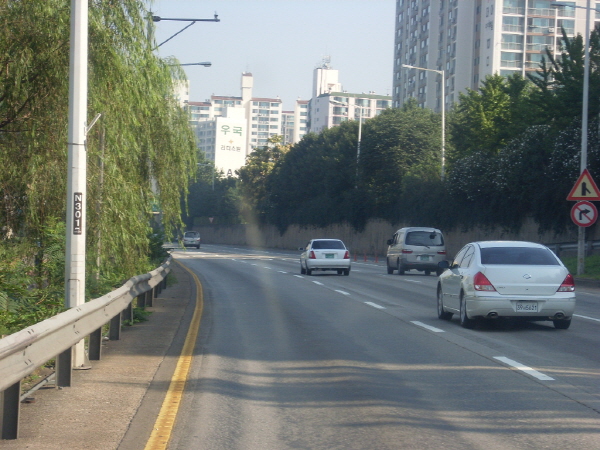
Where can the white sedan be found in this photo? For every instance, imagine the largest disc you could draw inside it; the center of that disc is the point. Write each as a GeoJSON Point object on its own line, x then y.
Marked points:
{"type": "Point", "coordinates": [325, 254]}
{"type": "Point", "coordinates": [514, 279]}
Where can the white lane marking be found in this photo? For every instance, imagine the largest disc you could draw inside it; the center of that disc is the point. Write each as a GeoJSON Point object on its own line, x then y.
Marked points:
{"type": "Point", "coordinates": [586, 317]}
{"type": "Point", "coordinates": [281, 271]}
{"type": "Point", "coordinates": [342, 292]}
{"type": "Point", "coordinates": [374, 305]}
{"type": "Point", "coordinates": [254, 264]}
{"type": "Point", "coordinates": [413, 281]}
{"type": "Point", "coordinates": [265, 267]}
{"type": "Point", "coordinates": [298, 276]}
{"type": "Point", "coordinates": [429, 327]}
{"type": "Point", "coordinates": [319, 283]}
{"type": "Point", "coordinates": [527, 370]}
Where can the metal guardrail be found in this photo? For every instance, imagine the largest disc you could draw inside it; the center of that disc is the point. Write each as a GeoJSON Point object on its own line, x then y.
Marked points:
{"type": "Point", "coordinates": [557, 248]}
{"type": "Point", "coordinates": [26, 350]}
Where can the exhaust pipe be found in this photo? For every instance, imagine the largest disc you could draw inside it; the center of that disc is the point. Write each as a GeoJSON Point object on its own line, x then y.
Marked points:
{"type": "Point", "coordinates": [492, 315]}
{"type": "Point", "coordinates": [559, 316]}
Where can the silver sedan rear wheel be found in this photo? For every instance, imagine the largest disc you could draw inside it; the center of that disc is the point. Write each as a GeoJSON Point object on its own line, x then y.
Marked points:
{"type": "Point", "coordinates": [465, 322]}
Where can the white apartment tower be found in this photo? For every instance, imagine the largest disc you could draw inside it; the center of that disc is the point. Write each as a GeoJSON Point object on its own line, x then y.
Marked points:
{"type": "Point", "coordinates": [330, 105]}
{"type": "Point", "coordinates": [468, 40]}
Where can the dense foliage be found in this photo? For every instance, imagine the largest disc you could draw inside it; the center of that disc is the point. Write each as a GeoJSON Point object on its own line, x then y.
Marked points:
{"type": "Point", "coordinates": [513, 152]}
{"type": "Point", "coordinates": [141, 154]}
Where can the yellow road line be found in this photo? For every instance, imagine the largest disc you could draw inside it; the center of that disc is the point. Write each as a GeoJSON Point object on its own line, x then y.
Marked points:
{"type": "Point", "coordinates": [163, 427]}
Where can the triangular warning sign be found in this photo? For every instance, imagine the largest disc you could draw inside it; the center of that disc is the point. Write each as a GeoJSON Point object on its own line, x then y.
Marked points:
{"type": "Point", "coordinates": [585, 188]}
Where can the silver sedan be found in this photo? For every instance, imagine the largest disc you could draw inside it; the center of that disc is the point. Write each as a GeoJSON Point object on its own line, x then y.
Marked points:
{"type": "Point", "coordinates": [325, 254]}
{"type": "Point", "coordinates": [516, 279]}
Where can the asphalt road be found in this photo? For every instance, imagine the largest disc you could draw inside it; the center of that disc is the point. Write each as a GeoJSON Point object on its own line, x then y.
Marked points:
{"type": "Point", "coordinates": [290, 361]}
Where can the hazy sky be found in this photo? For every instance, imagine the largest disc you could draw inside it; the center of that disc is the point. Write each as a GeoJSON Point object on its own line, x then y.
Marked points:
{"type": "Point", "coordinates": [280, 42]}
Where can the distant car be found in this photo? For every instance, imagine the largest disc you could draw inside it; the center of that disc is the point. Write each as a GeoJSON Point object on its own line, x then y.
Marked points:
{"type": "Point", "coordinates": [325, 254]}
{"type": "Point", "coordinates": [512, 279]}
{"type": "Point", "coordinates": [191, 239]}
{"type": "Point", "coordinates": [418, 248]}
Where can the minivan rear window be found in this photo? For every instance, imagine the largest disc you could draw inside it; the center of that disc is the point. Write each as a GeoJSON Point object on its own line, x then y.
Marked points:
{"type": "Point", "coordinates": [425, 238]}
{"type": "Point", "coordinates": [518, 256]}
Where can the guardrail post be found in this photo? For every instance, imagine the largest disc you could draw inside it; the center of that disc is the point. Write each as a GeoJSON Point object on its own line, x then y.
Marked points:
{"type": "Point", "coordinates": [141, 300]}
{"type": "Point", "coordinates": [164, 282]}
{"type": "Point", "coordinates": [149, 297]}
{"type": "Point", "coordinates": [64, 365]}
{"type": "Point", "coordinates": [114, 333]}
{"type": "Point", "coordinates": [95, 345]}
{"type": "Point", "coordinates": [128, 313]}
{"type": "Point", "coordinates": [11, 409]}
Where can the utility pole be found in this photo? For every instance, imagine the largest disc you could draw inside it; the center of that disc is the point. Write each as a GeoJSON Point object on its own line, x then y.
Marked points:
{"type": "Point", "coordinates": [77, 168]}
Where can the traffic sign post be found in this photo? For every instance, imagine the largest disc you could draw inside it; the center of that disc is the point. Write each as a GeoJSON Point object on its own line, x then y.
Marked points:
{"type": "Point", "coordinates": [583, 213]}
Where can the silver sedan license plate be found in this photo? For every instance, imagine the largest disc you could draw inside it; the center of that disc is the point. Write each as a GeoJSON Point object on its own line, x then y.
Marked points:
{"type": "Point", "coordinates": [330, 255]}
{"type": "Point", "coordinates": [527, 307]}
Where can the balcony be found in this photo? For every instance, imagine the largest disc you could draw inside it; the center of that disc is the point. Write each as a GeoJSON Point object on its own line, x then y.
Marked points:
{"type": "Point", "coordinates": [512, 46]}
{"type": "Point", "coordinates": [511, 63]}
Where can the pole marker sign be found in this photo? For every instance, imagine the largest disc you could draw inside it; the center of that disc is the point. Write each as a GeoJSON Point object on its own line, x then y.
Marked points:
{"type": "Point", "coordinates": [585, 188]}
{"type": "Point", "coordinates": [77, 213]}
{"type": "Point", "coordinates": [584, 214]}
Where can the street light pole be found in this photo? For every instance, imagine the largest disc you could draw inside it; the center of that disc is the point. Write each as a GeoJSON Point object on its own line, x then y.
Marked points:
{"type": "Point", "coordinates": [205, 64]}
{"type": "Point", "coordinates": [584, 121]}
{"type": "Point", "coordinates": [213, 172]}
{"type": "Point", "coordinates": [441, 72]}
{"type": "Point", "coordinates": [359, 133]}
{"type": "Point", "coordinates": [360, 116]}
{"type": "Point", "coordinates": [193, 21]}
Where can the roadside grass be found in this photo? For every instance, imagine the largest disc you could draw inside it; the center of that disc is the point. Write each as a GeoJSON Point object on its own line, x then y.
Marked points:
{"type": "Point", "coordinates": [591, 266]}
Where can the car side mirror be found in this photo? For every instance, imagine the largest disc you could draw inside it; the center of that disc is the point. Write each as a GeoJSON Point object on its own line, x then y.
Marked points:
{"type": "Point", "coordinates": [300, 249]}
{"type": "Point", "coordinates": [390, 241]}
{"type": "Point", "coordinates": [444, 265]}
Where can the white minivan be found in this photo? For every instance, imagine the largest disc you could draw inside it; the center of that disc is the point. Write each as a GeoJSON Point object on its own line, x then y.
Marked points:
{"type": "Point", "coordinates": [417, 248]}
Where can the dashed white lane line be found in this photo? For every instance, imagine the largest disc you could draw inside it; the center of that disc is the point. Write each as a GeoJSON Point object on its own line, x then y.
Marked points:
{"type": "Point", "coordinates": [429, 327]}
{"type": "Point", "coordinates": [281, 271]}
{"type": "Point", "coordinates": [342, 292]}
{"type": "Point", "coordinates": [298, 276]}
{"type": "Point", "coordinates": [528, 370]}
{"type": "Point", "coordinates": [374, 305]}
{"type": "Point", "coordinates": [586, 317]}
{"type": "Point", "coordinates": [319, 283]}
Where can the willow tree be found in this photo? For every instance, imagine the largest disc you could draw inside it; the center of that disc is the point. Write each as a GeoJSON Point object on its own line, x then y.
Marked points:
{"type": "Point", "coordinates": [141, 155]}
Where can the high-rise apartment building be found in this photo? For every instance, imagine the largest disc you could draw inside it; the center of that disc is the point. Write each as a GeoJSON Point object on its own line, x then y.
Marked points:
{"type": "Point", "coordinates": [330, 105]}
{"type": "Point", "coordinates": [468, 40]}
{"type": "Point", "coordinates": [230, 128]}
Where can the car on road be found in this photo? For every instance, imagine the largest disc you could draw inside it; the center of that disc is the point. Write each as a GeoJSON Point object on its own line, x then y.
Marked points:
{"type": "Point", "coordinates": [418, 248]}
{"type": "Point", "coordinates": [191, 239]}
{"type": "Point", "coordinates": [510, 279]}
{"type": "Point", "coordinates": [325, 254]}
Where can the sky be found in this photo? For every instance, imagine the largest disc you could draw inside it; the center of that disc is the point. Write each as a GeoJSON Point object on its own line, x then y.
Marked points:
{"type": "Point", "coordinates": [280, 42]}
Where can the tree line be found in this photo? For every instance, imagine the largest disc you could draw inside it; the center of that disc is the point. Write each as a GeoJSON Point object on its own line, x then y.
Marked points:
{"type": "Point", "coordinates": [513, 153]}
{"type": "Point", "coordinates": [141, 154]}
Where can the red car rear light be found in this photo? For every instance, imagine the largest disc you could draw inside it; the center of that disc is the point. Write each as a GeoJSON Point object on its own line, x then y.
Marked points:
{"type": "Point", "coordinates": [407, 251]}
{"type": "Point", "coordinates": [568, 285]}
{"type": "Point", "coordinates": [443, 252]}
{"type": "Point", "coordinates": [347, 255]}
{"type": "Point", "coordinates": [312, 255]}
{"type": "Point", "coordinates": [481, 283]}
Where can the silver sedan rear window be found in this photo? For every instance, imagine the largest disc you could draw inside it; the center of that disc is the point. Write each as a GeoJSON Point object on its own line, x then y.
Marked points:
{"type": "Point", "coordinates": [518, 256]}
